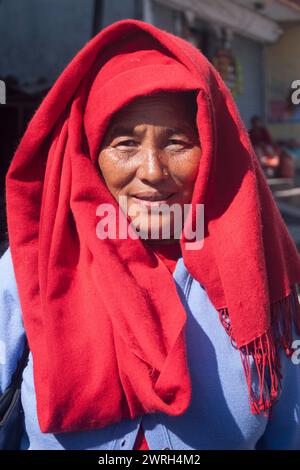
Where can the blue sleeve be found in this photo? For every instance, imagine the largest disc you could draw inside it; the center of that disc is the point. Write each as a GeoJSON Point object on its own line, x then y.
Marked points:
{"type": "Point", "coordinates": [283, 428]}
{"type": "Point", "coordinates": [12, 333]}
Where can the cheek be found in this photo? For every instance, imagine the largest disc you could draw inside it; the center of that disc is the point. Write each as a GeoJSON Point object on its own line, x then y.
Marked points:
{"type": "Point", "coordinates": [185, 169]}
{"type": "Point", "coordinates": [116, 173]}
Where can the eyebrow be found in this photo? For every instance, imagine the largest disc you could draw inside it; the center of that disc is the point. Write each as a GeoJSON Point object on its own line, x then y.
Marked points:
{"type": "Point", "coordinates": [123, 130]}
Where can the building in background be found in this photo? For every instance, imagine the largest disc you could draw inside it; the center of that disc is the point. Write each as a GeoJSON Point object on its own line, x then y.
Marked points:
{"type": "Point", "coordinates": [252, 33]}
{"type": "Point", "coordinates": [259, 37]}
{"type": "Point", "coordinates": [283, 116]}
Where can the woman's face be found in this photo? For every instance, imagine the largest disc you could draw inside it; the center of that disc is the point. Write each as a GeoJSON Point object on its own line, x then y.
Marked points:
{"type": "Point", "coordinates": [150, 156]}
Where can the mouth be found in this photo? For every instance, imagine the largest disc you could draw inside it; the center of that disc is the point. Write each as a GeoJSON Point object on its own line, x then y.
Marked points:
{"type": "Point", "coordinates": [152, 199]}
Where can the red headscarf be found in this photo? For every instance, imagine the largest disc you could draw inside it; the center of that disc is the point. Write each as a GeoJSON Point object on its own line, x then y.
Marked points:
{"type": "Point", "coordinates": [103, 317]}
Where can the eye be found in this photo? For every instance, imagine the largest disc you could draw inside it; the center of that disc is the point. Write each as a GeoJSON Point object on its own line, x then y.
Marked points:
{"type": "Point", "coordinates": [177, 143]}
{"type": "Point", "coordinates": [126, 143]}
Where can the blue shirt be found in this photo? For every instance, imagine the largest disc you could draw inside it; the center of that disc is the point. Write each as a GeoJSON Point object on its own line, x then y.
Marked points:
{"type": "Point", "coordinates": [219, 415]}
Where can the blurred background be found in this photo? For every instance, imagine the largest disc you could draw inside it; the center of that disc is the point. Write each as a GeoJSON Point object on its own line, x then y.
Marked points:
{"type": "Point", "coordinates": [255, 45]}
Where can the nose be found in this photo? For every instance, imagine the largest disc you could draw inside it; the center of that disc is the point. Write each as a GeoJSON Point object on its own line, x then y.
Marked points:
{"type": "Point", "coordinates": [151, 168]}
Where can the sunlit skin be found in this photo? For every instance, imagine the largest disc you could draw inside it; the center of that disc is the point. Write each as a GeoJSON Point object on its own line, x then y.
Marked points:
{"type": "Point", "coordinates": [152, 150]}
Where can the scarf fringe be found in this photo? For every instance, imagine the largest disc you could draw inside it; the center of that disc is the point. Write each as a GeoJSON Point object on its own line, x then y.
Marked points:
{"type": "Point", "coordinates": [264, 351]}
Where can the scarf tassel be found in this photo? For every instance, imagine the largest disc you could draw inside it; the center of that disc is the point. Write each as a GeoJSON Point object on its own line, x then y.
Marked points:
{"type": "Point", "coordinates": [263, 351]}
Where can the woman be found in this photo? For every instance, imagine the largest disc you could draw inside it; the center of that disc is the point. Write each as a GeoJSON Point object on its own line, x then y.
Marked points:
{"type": "Point", "coordinates": [126, 342]}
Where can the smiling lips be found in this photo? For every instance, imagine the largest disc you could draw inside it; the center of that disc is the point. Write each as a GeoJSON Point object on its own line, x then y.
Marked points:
{"type": "Point", "coordinates": [149, 198]}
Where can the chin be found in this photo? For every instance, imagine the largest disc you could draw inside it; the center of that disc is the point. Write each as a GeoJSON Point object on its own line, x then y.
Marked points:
{"type": "Point", "coordinates": [161, 229]}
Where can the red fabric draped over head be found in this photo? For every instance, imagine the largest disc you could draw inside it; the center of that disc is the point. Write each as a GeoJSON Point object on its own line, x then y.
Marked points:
{"type": "Point", "coordinates": [104, 321]}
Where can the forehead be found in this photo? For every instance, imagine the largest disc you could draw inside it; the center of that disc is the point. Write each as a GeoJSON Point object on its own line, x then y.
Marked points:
{"type": "Point", "coordinates": [162, 109]}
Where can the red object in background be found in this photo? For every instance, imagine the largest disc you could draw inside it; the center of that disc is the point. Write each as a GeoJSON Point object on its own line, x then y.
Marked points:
{"type": "Point", "coordinates": [169, 254]}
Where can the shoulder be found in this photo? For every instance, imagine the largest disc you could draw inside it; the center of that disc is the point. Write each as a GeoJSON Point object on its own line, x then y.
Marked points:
{"type": "Point", "coordinates": [12, 334]}
{"type": "Point", "coordinates": [9, 297]}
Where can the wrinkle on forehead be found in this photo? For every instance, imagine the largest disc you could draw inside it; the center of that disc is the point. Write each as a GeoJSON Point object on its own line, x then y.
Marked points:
{"type": "Point", "coordinates": [175, 112]}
